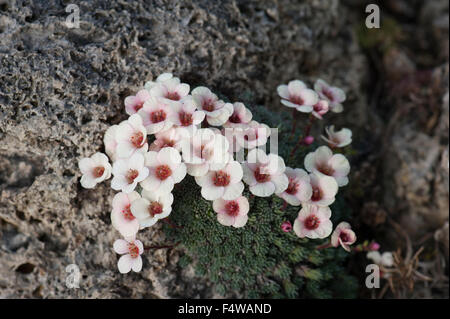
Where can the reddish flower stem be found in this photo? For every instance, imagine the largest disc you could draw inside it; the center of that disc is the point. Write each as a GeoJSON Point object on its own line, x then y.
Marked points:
{"type": "Point", "coordinates": [301, 138]}
{"type": "Point", "coordinates": [327, 245]}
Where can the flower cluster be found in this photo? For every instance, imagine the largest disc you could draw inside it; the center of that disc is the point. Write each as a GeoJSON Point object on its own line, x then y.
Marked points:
{"type": "Point", "coordinates": [316, 186]}
{"type": "Point", "coordinates": [172, 132]}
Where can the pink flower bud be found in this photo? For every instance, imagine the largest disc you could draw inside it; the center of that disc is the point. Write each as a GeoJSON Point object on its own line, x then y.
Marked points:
{"type": "Point", "coordinates": [374, 246]}
{"type": "Point", "coordinates": [308, 140]}
{"type": "Point", "coordinates": [286, 226]}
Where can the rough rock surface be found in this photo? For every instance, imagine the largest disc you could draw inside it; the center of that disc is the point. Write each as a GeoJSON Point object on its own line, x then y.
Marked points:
{"type": "Point", "coordinates": [60, 88]}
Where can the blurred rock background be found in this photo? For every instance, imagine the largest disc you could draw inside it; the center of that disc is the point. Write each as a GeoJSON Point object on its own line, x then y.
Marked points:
{"type": "Point", "coordinates": [60, 88]}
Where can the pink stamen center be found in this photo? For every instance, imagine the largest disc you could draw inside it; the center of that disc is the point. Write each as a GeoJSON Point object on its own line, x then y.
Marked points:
{"type": "Point", "coordinates": [344, 237]}
{"type": "Point", "coordinates": [260, 177]}
{"type": "Point", "coordinates": [137, 139]}
{"type": "Point", "coordinates": [174, 96]}
{"type": "Point", "coordinates": [186, 119]}
{"type": "Point", "coordinates": [311, 222]}
{"type": "Point", "coordinates": [167, 143]}
{"type": "Point", "coordinates": [138, 106]}
{"type": "Point", "coordinates": [296, 99]}
{"type": "Point", "coordinates": [328, 94]}
{"type": "Point", "coordinates": [251, 134]}
{"type": "Point", "coordinates": [317, 194]}
{"type": "Point", "coordinates": [155, 208]}
{"type": "Point", "coordinates": [221, 179]}
{"type": "Point", "coordinates": [127, 213]}
{"type": "Point", "coordinates": [163, 172]}
{"type": "Point", "coordinates": [208, 105]}
{"type": "Point", "coordinates": [235, 118]}
{"type": "Point", "coordinates": [131, 175]}
{"type": "Point", "coordinates": [326, 170]}
{"type": "Point", "coordinates": [232, 208]}
{"type": "Point", "coordinates": [134, 250]}
{"type": "Point", "coordinates": [292, 187]}
{"type": "Point", "coordinates": [158, 116]}
{"type": "Point", "coordinates": [98, 171]}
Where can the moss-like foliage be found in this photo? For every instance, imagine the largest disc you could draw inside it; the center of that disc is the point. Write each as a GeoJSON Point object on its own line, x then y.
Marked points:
{"type": "Point", "coordinates": [260, 260]}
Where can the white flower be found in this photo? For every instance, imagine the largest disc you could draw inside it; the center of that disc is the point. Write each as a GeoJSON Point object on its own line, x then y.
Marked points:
{"type": "Point", "coordinates": [313, 222]}
{"type": "Point", "coordinates": [217, 111]}
{"type": "Point", "coordinates": [298, 96]}
{"type": "Point", "coordinates": [320, 108]}
{"type": "Point", "coordinates": [299, 189]}
{"type": "Point", "coordinates": [232, 212]}
{"type": "Point", "coordinates": [340, 138]}
{"type": "Point", "coordinates": [131, 136]}
{"type": "Point", "coordinates": [252, 135]}
{"type": "Point", "coordinates": [165, 170]}
{"type": "Point", "coordinates": [334, 95]}
{"type": "Point", "coordinates": [386, 259]}
{"type": "Point", "coordinates": [155, 115]}
{"type": "Point", "coordinates": [128, 172]}
{"type": "Point", "coordinates": [173, 137]}
{"type": "Point", "coordinates": [170, 89]}
{"type": "Point", "coordinates": [224, 183]}
{"type": "Point", "coordinates": [205, 151]}
{"type": "Point", "coordinates": [264, 173]}
{"type": "Point", "coordinates": [343, 235]}
{"type": "Point", "coordinates": [109, 140]}
{"type": "Point", "coordinates": [95, 169]}
{"type": "Point", "coordinates": [324, 190]}
{"type": "Point", "coordinates": [151, 207]}
{"type": "Point", "coordinates": [241, 115]}
{"type": "Point", "coordinates": [131, 251]}
{"type": "Point", "coordinates": [122, 218]}
{"type": "Point", "coordinates": [322, 161]}
{"type": "Point", "coordinates": [134, 103]}
{"type": "Point", "coordinates": [185, 114]}
{"type": "Point", "coordinates": [160, 79]}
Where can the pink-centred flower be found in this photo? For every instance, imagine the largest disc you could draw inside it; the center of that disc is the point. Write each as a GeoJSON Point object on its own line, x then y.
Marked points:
{"type": "Point", "coordinates": [207, 150]}
{"type": "Point", "coordinates": [217, 111]}
{"type": "Point", "coordinates": [128, 172]}
{"type": "Point", "coordinates": [313, 222]}
{"type": "Point", "coordinates": [224, 183]}
{"type": "Point", "coordinates": [134, 103]}
{"type": "Point", "coordinates": [155, 115]}
{"type": "Point", "coordinates": [170, 89]}
{"type": "Point", "coordinates": [232, 212]}
{"type": "Point", "coordinates": [322, 161]}
{"type": "Point", "coordinates": [343, 235]}
{"type": "Point", "coordinates": [165, 170]}
{"type": "Point", "coordinates": [173, 137]}
{"type": "Point", "coordinates": [340, 138]}
{"type": "Point", "coordinates": [240, 116]}
{"type": "Point", "coordinates": [299, 189]}
{"type": "Point", "coordinates": [265, 174]}
{"type": "Point", "coordinates": [252, 135]}
{"type": "Point", "coordinates": [186, 115]}
{"type": "Point", "coordinates": [122, 218]}
{"type": "Point", "coordinates": [334, 95]}
{"type": "Point", "coordinates": [324, 190]}
{"type": "Point", "coordinates": [131, 251]}
{"type": "Point", "coordinates": [296, 95]}
{"type": "Point", "coordinates": [131, 137]}
{"type": "Point", "coordinates": [151, 207]}
{"type": "Point", "coordinates": [95, 169]}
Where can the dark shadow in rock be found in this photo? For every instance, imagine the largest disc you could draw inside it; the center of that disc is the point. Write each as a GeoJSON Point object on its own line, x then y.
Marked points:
{"type": "Point", "coordinates": [25, 268]}
{"type": "Point", "coordinates": [19, 171]}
